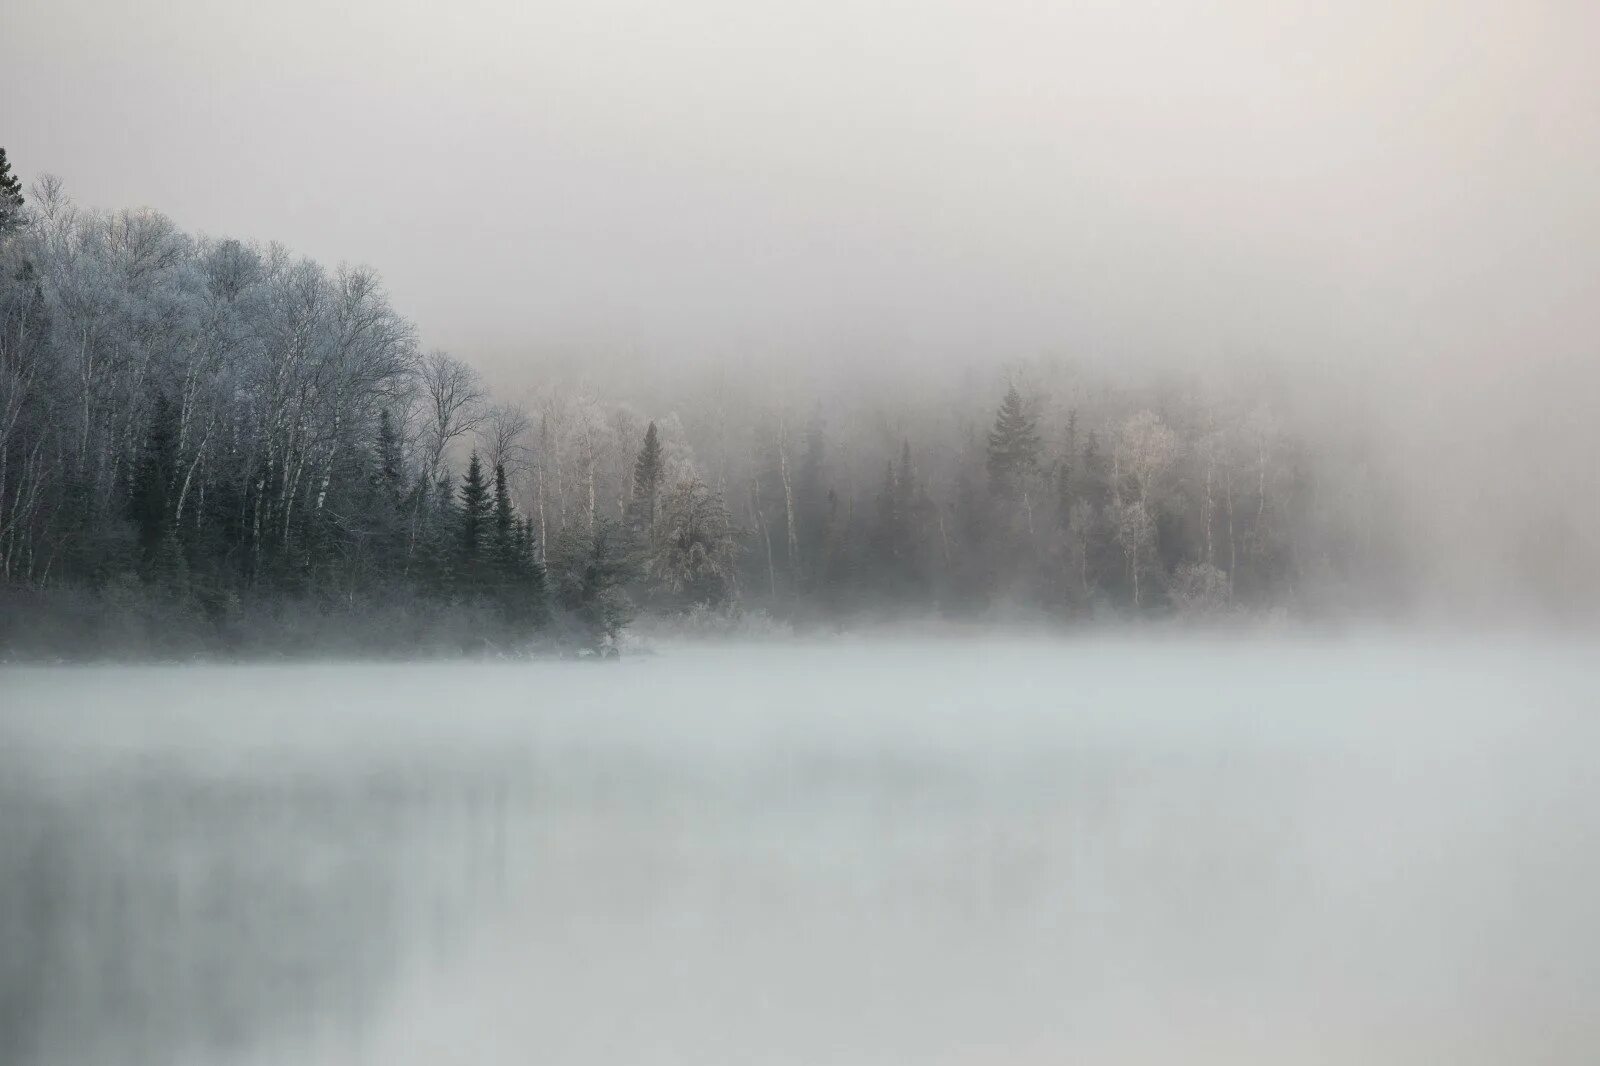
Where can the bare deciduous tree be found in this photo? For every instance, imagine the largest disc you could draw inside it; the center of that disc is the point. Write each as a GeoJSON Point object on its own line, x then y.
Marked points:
{"type": "Point", "coordinates": [453, 405]}
{"type": "Point", "coordinates": [504, 434]}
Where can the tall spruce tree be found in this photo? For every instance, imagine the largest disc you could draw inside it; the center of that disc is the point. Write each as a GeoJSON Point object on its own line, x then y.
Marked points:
{"type": "Point", "coordinates": [505, 543]}
{"type": "Point", "coordinates": [391, 510]}
{"type": "Point", "coordinates": [1013, 445]}
{"type": "Point", "coordinates": [647, 473]}
{"type": "Point", "coordinates": [510, 563]}
{"type": "Point", "coordinates": [10, 197]}
{"type": "Point", "coordinates": [473, 522]}
{"type": "Point", "coordinates": [1066, 473]}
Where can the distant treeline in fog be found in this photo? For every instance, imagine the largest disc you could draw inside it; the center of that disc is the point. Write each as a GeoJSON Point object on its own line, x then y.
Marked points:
{"type": "Point", "coordinates": [208, 445]}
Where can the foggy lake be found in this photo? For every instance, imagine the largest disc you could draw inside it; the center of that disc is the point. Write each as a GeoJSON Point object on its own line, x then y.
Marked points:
{"type": "Point", "coordinates": [919, 850]}
{"type": "Point", "coordinates": [755, 534]}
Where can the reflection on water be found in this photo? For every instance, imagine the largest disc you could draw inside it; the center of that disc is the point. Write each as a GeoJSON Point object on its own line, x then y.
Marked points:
{"type": "Point", "coordinates": [156, 915]}
{"type": "Point", "coordinates": [1117, 856]}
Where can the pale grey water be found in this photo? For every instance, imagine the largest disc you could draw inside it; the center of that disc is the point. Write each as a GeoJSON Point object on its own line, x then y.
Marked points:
{"type": "Point", "coordinates": [921, 851]}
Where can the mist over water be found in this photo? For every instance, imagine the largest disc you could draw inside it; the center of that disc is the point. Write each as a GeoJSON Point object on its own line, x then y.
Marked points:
{"type": "Point", "coordinates": [1367, 849]}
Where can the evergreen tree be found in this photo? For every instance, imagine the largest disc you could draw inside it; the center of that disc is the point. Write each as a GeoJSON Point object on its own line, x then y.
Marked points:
{"type": "Point", "coordinates": [1012, 463]}
{"type": "Point", "coordinates": [1066, 473]}
{"type": "Point", "coordinates": [391, 463]}
{"type": "Point", "coordinates": [505, 546]}
{"type": "Point", "coordinates": [473, 523]}
{"type": "Point", "coordinates": [1013, 445]}
{"type": "Point", "coordinates": [10, 197]}
{"type": "Point", "coordinates": [391, 509]}
{"type": "Point", "coordinates": [525, 542]}
{"type": "Point", "coordinates": [647, 473]}
{"type": "Point", "coordinates": [509, 561]}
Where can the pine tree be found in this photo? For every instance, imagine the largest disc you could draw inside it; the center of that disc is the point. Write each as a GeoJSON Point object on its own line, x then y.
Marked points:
{"type": "Point", "coordinates": [647, 472]}
{"type": "Point", "coordinates": [525, 543]}
{"type": "Point", "coordinates": [473, 522]}
{"type": "Point", "coordinates": [1013, 445]}
{"type": "Point", "coordinates": [1066, 474]}
{"type": "Point", "coordinates": [509, 560]}
{"type": "Point", "coordinates": [10, 197]}
{"type": "Point", "coordinates": [505, 546]}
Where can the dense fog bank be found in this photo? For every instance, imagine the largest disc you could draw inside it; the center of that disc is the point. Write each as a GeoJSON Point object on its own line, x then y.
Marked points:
{"type": "Point", "coordinates": [213, 447]}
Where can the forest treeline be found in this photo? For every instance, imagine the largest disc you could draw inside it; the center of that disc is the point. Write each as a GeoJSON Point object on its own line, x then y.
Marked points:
{"type": "Point", "coordinates": [209, 445]}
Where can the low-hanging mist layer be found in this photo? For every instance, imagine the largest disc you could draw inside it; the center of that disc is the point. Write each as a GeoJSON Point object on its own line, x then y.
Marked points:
{"type": "Point", "coordinates": [1378, 850]}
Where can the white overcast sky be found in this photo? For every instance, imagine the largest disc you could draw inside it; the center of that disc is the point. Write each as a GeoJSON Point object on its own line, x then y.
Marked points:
{"type": "Point", "coordinates": [981, 179]}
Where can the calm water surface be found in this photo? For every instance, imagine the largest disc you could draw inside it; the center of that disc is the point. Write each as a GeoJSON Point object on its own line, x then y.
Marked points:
{"type": "Point", "coordinates": [1361, 851]}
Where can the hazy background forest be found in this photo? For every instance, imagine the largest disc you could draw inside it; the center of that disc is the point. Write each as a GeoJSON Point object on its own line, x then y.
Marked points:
{"type": "Point", "coordinates": [213, 445]}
